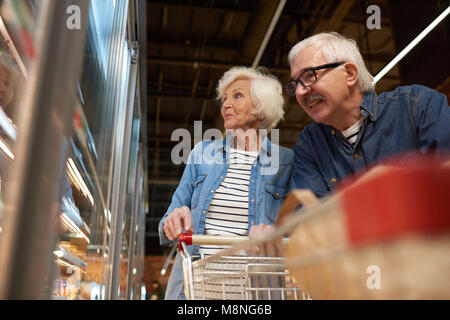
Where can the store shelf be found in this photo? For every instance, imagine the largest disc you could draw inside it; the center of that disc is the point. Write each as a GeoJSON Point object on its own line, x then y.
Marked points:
{"type": "Point", "coordinates": [81, 127]}
{"type": "Point", "coordinates": [86, 226]}
{"type": "Point", "coordinates": [7, 127]}
{"type": "Point", "coordinates": [66, 259]}
{"type": "Point", "coordinates": [85, 148]}
{"type": "Point", "coordinates": [8, 134]}
{"type": "Point", "coordinates": [71, 220]}
{"type": "Point", "coordinates": [79, 177]}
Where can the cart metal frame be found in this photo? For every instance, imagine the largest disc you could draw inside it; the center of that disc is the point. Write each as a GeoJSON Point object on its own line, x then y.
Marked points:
{"type": "Point", "coordinates": [236, 276]}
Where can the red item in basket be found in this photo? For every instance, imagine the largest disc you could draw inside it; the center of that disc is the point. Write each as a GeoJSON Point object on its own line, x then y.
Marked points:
{"type": "Point", "coordinates": [401, 200]}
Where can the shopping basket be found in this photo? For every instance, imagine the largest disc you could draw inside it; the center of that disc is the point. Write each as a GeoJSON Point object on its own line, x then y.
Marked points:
{"type": "Point", "coordinates": [233, 273]}
{"type": "Point", "coordinates": [384, 238]}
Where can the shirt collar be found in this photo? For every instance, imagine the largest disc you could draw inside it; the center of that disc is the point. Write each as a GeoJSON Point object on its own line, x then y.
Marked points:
{"type": "Point", "coordinates": [368, 107]}
{"type": "Point", "coordinates": [228, 143]}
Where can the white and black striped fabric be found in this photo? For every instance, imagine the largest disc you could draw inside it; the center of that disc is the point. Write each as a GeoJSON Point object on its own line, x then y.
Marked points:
{"type": "Point", "coordinates": [351, 134]}
{"type": "Point", "coordinates": [228, 211]}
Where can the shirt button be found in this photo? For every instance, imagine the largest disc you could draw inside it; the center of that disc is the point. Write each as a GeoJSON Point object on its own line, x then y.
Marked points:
{"type": "Point", "coordinates": [277, 194]}
{"type": "Point", "coordinates": [204, 211]}
{"type": "Point", "coordinates": [333, 132]}
{"type": "Point", "coordinates": [356, 155]}
{"type": "Point", "coordinates": [253, 181]}
{"type": "Point", "coordinates": [254, 165]}
{"type": "Point", "coordinates": [333, 180]}
{"type": "Point", "coordinates": [212, 191]}
{"type": "Point", "coordinates": [253, 200]}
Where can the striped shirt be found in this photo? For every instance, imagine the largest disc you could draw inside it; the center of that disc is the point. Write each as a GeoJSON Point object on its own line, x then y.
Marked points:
{"type": "Point", "coordinates": [228, 211]}
{"type": "Point", "coordinates": [351, 134]}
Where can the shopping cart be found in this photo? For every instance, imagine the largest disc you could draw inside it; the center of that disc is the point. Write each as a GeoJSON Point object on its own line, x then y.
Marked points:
{"type": "Point", "coordinates": [385, 238]}
{"type": "Point", "coordinates": [235, 274]}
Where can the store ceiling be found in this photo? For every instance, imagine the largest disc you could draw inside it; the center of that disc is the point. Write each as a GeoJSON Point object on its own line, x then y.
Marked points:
{"type": "Point", "coordinates": [192, 43]}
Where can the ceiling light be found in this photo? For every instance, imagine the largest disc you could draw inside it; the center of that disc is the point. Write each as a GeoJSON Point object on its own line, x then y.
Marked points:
{"type": "Point", "coordinates": [410, 46]}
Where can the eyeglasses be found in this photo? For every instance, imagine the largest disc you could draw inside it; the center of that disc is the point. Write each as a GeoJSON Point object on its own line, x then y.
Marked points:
{"type": "Point", "coordinates": [308, 77]}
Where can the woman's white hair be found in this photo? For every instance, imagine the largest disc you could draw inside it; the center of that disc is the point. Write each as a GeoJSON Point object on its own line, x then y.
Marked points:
{"type": "Point", "coordinates": [265, 91]}
{"type": "Point", "coordinates": [334, 48]}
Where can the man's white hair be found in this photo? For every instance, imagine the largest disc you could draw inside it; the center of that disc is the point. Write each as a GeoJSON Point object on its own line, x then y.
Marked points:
{"type": "Point", "coordinates": [265, 91]}
{"type": "Point", "coordinates": [334, 48]}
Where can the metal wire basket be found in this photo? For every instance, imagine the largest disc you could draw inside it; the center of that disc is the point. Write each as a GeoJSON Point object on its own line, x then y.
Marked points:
{"type": "Point", "coordinates": [235, 276]}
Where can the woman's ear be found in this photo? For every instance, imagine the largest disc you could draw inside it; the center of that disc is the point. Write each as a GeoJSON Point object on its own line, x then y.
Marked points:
{"type": "Point", "coordinates": [261, 117]}
{"type": "Point", "coordinates": [351, 73]}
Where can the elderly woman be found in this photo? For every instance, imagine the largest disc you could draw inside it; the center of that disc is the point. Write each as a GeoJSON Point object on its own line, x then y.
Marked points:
{"type": "Point", "coordinates": [237, 187]}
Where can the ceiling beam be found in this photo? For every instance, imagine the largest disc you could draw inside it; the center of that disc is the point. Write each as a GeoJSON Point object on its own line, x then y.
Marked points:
{"type": "Point", "coordinates": [336, 18]}
{"type": "Point", "coordinates": [377, 57]}
{"type": "Point", "coordinates": [254, 32]}
{"type": "Point", "coordinates": [222, 7]}
{"type": "Point", "coordinates": [156, 39]}
{"type": "Point", "coordinates": [206, 64]}
{"type": "Point", "coordinates": [171, 95]}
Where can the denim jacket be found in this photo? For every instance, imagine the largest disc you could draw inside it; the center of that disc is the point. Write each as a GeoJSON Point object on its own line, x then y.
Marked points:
{"type": "Point", "coordinates": [409, 120]}
{"type": "Point", "coordinates": [206, 168]}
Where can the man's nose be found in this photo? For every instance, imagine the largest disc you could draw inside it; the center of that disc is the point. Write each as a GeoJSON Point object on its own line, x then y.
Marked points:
{"type": "Point", "coordinates": [300, 90]}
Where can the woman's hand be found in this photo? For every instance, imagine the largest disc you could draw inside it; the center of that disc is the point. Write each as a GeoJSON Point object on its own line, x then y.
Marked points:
{"type": "Point", "coordinates": [177, 221]}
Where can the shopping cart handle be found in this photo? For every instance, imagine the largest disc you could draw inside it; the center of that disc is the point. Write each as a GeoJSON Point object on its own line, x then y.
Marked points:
{"type": "Point", "coordinates": [186, 238]}
{"type": "Point", "coordinates": [203, 239]}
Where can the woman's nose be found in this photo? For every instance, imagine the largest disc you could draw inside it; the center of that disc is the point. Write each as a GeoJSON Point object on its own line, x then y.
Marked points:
{"type": "Point", "coordinates": [226, 104]}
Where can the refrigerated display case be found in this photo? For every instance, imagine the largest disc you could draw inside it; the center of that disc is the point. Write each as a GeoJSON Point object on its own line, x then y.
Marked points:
{"type": "Point", "coordinates": [96, 218]}
{"type": "Point", "coordinates": [13, 73]}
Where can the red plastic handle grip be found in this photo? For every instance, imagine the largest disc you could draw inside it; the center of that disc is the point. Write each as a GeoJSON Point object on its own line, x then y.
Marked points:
{"type": "Point", "coordinates": [186, 238]}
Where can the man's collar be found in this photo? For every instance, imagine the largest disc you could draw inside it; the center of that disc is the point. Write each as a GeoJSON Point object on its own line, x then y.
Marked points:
{"type": "Point", "coordinates": [368, 107]}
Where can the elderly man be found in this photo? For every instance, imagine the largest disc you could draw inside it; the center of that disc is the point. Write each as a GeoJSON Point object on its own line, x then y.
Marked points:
{"type": "Point", "coordinates": [353, 127]}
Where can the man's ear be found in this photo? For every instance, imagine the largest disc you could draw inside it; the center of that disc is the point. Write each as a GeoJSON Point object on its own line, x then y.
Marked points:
{"type": "Point", "coordinates": [351, 73]}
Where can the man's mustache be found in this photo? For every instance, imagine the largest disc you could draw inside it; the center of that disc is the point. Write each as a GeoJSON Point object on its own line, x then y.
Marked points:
{"type": "Point", "coordinates": [307, 101]}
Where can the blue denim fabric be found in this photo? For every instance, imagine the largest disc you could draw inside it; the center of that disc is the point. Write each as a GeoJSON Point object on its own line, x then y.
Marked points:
{"type": "Point", "coordinates": [206, 168]}
{"type": "Point", "coordinates": [409, 120]}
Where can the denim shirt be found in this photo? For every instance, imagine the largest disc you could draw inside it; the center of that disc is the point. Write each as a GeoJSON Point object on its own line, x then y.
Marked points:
{"type": "Point", "coordinates": [409, 120]}
{"type": "Point", "coordinates": [205, 170]}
